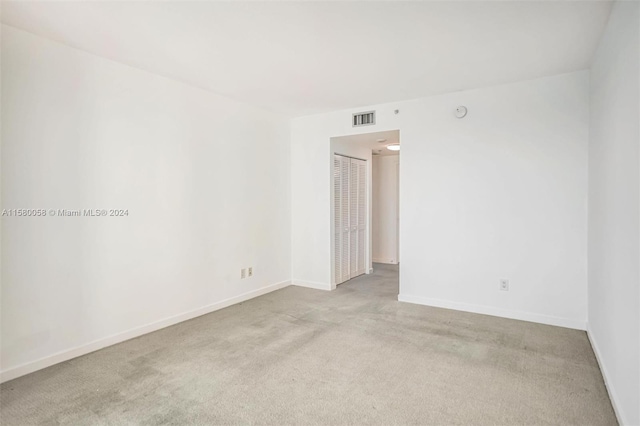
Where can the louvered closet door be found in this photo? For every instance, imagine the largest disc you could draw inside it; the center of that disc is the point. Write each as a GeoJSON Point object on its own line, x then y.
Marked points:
{"type": "Point", "coordinates": [350, 214]}
{"type": "Point", "coordinates": [337, 214]}
{"type": "Point", "coordinates": [344, 218]}
{"type": "Point", "coordinates": [361, 220]}
{"type": "Point", "coordinates": [357, 217]}
{"type": "Point", "coordinates": [341, 167]}
{"type": "Point", "coordinates": [353, 219]}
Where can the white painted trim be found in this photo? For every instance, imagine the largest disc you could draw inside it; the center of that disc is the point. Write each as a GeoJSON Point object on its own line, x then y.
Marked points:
{"type": "Point", "coordinates": [385, 261]}
{"type": "Point", "coordinates": [605, 375]}
{"type": "Point", "coordinates": [68, 354]}
{"type": "Point", "coordinates": [312, 284]}
{"type": "Point", "coordinates": [497, 312]}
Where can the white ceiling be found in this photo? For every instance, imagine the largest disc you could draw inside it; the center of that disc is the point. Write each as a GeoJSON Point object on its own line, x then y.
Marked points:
{"type": "Point", "coordinates": [373, 141]}
{"type": "Point", "coordinates": [299, 58]}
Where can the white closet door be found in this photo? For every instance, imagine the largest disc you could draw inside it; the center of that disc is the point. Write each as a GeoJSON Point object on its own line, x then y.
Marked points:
{"type": "Point", "coordinates": [350, 214]}
{"type": "Point", "coordinates": [342, 232]}
{"type": "Point", "coordinates": [361, 221]}
{"type": "Point", "coordinates": [346, 230]}
{"type": "Point", "coordinates": [337, 214]}
{"type": "Point", "coordinates": [353, 218]}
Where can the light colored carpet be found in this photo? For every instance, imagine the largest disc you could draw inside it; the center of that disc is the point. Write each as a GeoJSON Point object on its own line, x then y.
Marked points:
{"type": "Point", "coordinates": [302, 356]}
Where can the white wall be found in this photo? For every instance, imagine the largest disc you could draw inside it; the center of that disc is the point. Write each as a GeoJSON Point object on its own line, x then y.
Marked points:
{"type": "Point", "coordinates": [385, 209]}
{"type": "Point", "coordinates": [500, 193]}
{"type": "Point", "coordinates": [614, 209]}
{"type": "Point", "coordinates": [205, 180]}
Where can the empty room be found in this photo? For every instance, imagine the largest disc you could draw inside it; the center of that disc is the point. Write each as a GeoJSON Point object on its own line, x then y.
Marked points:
{"type": "Point", "coordinates": [320, 212]}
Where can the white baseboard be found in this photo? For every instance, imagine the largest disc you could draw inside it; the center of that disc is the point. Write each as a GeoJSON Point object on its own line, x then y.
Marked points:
{"type": "Point", "coordinates": [497, 312]}
{"type": "Point", "coordinates": [311, 284]}
{"type": "Point", "coordinates": [605, 375]}
{"type": "Point", "coordinates": [387, 261]}
{"type": "Point", "coordinates": [68, 354]}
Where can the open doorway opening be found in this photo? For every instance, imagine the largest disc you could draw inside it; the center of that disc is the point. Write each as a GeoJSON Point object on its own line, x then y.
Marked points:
{"type": "Point", "coordinates": [386, 205]}
{"type": "Point", "coordinates": [364, 203]}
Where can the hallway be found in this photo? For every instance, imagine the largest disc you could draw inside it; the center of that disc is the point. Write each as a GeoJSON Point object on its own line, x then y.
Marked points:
{"type": "Point", "coordinates": [302, 356]}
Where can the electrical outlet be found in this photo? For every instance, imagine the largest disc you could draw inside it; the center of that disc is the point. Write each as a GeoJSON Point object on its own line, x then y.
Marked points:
{"type": "Point", "coordinates": [250, 271]}
{"type": "Point", "coordinates": [243, 273]}
{"type": "Point", "coordinates": [504, 285]}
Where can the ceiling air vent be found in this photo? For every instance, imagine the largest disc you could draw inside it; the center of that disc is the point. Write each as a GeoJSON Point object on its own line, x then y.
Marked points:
{"type": "Point", "coordinates": [364, 118]}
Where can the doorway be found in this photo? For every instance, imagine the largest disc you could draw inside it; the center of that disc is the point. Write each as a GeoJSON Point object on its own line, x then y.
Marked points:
{"type": "Point", "coordinates": [364, 203]}
{"type": "Point", "coordinates": [385, 208]}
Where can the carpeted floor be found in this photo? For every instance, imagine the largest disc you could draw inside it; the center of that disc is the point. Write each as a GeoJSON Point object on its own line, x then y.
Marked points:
{"type": "Point", "coordinates": [302, 356]}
